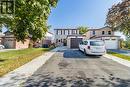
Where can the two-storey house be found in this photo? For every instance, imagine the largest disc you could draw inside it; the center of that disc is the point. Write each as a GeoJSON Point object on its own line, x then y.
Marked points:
{"type": "Point", "coordinates": [107, 35]}
{"type": "Point", "coordinates": [66, 37]}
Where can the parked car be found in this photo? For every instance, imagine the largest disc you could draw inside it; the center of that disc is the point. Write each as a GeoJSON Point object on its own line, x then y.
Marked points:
{"type": "Point", "coordinates": [2, 47]}
{"type": "Point", "coordinates": [93, 47]}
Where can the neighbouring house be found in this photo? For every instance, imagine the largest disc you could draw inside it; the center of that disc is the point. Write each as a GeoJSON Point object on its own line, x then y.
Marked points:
{"type": "Point", "coordinates": [45, 41]}
{"type": "Point", "coordinates": [1, 38]}
{"type": "Point", "coordinates": [67, 37]}
{"type": "Point", "coordinates": [107, 35]}
{"type": "Point", "coordinates": [10, 42]}
{"type": "Point", "coordinates": [48, 40]}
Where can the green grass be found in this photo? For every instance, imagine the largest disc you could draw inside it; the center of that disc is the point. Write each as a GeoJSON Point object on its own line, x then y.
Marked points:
{"type": "Point", "coordinates": [119, 55]}
{"type": "Point", "coordinates": [13, 59]}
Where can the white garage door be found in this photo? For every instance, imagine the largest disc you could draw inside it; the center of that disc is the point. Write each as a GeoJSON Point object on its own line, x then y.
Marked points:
{"type": "Point", "coordinates": [111, 44]}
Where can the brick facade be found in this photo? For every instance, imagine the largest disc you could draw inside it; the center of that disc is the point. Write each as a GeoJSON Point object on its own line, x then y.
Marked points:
{"type": "Point", "coordinates": [10, 42]}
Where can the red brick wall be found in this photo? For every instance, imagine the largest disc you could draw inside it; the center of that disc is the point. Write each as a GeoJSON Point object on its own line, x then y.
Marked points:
{"type": "Point", "coordinates": [20, 45]}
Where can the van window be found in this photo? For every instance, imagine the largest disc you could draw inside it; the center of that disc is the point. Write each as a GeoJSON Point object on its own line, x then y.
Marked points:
{"type": "Point", "coordinates": [96, 43]}
{"type": "Point", "coordinates": [81, 43]}
{"type": "Point", "coordinates": [85, 42]}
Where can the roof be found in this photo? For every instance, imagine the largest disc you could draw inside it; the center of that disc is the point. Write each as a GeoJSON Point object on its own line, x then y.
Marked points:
{"type": "Point", "coordinates": [76, 35]}
{"type": "Point", "coordinates": [7, 32]}
{"type": "Point", "coordinates": [108, 36]}
{"type": "Point", "coordinates": [49, 32]}
{"type": "Point", "coordinates": [104, 36]}
{"type": "Point", "coordinates": [92, 40]}
{"type": "Point", "coordinates": [106, 27]}
{"type": "Point", "coordinates": [66, 29]}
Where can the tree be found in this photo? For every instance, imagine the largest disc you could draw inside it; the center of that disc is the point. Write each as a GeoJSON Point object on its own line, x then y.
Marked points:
{"type": "Point", "coordinates": [118, 17]}
{"type": "Point", "coordinates": [30, 19]}
{"type": "Point", "coordinates": [82, 30]}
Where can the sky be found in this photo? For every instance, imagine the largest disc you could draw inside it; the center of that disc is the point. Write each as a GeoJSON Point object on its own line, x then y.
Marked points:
{"type": "Point", "coordinates": [75, 13]}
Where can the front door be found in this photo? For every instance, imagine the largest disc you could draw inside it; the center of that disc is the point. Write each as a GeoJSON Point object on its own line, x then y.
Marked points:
{"type": "Point", "coordinates": [64, 42]}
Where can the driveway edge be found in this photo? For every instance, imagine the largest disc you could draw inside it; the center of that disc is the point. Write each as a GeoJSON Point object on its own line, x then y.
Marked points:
{"type": "Point", "coordinates": [117, 59]}
{"type": "Point", "coordinates": [20, 75]}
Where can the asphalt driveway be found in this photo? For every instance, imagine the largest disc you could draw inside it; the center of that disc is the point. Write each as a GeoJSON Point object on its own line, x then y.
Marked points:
{"type": "Point", "coordinates": [71, 68]}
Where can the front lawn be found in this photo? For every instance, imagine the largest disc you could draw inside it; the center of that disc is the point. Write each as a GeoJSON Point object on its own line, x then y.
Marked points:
{"type": "Point", "coordinates": [119, 55]}
{"type": "Point", "coordinates": [13, 59]}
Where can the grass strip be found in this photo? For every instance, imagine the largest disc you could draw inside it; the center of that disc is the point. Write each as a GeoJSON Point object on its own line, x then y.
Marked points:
{"type": "Point", "coordinates": [119, 55]}
{"type": "Point", "coordinates": [13, 59]}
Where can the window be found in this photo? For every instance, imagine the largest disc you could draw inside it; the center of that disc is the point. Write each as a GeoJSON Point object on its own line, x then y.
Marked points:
{"type": "Point", "coordinates": [74, 32]}
{"type": "Point", "coordinates": [93, 32]}
{"type": "Point", "coordinates": [59, 32]}
{"type": "Point", "coordinates": [103, 32]}
{"type": "Point", "coordinates": [107, 39]}
{"type": "Point", "coordinates": [96, 43]}
{"type": "Point", "coordinates": [113, 39]}
{"type": "Point", "coordinates": [56, 32]}
{"type": "Point", "coordinates": [81, 43]}
{"type": "Point", "coordinates": [109, 32]}
{"type": "Point", "coordinates": [85, 42]}
{"type": "Point", "coordinates": [66, 32]}
{"type": "Point", "coordinates": [77, 31]}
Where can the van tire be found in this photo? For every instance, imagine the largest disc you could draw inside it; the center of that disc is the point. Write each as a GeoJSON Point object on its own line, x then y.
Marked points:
{"type": "Point", "coordinates": [85, 52]}
{"type": "Point", "coordinates": [79, 49]}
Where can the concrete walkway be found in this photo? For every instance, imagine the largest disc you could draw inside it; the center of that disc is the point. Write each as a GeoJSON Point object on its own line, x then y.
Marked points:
{"type": "Point", "coordinates": [119, 60]}
{"type": "Point", "coordinates": [18, 76]}
{"type": "Point", "coordinates": [5, 50]}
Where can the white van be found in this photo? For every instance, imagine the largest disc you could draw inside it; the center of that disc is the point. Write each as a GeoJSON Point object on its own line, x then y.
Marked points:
{"type": "Point", "coordinates": [93, 47]}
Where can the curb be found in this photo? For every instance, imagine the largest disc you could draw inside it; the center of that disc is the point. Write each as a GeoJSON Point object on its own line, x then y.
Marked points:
{"type": "Point", "coordinates": [20, 75]}
{"type": "Point", "coordinates": [119, 60]}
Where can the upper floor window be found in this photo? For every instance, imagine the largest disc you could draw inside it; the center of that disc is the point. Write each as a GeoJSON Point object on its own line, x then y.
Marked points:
{"type": "Point", "coordinates": [109, 32]}
{"type": "Point", "coordinates": [103, 32]}
{"type": "Point", "coordinates": [66, 32]}
{"type": "Point", "coordinates": [59, 32]}
{"type": "Point", "coordinates": [94, 32]}
{"type": "Point", "coordinates": [77, 31]}
{"type": "Point", "coordinates": [74, 32]}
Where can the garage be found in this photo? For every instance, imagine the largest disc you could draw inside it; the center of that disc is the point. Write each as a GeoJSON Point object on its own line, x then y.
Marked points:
{"type": "Point", "coordinates": [74, 40]}
{"type": "Point", "coordinates": [111, 44]}
{"type": "Point", "coordinates": [74, 43]}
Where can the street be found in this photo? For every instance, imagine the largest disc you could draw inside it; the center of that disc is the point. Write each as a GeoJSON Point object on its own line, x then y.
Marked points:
{"type": "Point", "coordinates": [71, 68]}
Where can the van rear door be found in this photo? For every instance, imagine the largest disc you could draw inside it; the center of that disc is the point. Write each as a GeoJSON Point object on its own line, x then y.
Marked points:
{"type": "Point", "coordinates": [97, 46]}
